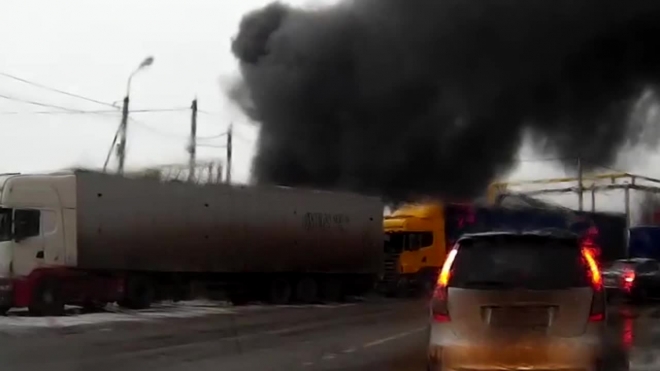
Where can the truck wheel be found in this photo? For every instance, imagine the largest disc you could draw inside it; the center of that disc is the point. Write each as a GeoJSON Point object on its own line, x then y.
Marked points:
{"type": "Point", "coordinates": [47, 299]}
{"type": "Point", "coordinates": [181, 292]}
{"type": "Point", "coordinates": [307, 291]}
{"type": "Point", "coordinates": [238, 298]}
{"type": "Point", "coordinates": [91, 306]}
{"type": "Point", "coordinates": [427, 289]}
{"type": "Point", "coordinates": [280, 292]}
{"type": "Point", "coordinates": [332, 290]}
{"type": "Point", "coordinates": [139, 293]}
{"type": "Point", "coordinates": [402, 288]}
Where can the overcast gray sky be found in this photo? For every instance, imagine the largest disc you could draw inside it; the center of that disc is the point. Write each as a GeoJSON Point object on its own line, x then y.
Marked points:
{"type": "Point", "coordinates": [89, 48]}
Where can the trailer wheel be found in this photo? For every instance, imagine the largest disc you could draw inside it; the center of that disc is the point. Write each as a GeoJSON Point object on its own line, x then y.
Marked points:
{"type": "Point", "coordinates": [181, 292]}
{"type": "Point", "coordinates": [91, 306]}
{"type": "Point", "coordinates": [332, 290]}
{"type": "Point", "coordinates": [139, 293]}
{"type": "Point", "coordinates": [307, 290]}
{"type": "Point", "coordinates": [280, 292]}
{"type": "Point", "coordinates": [47, 299]}
{"type": "Point", "coordinates": [238, 298]}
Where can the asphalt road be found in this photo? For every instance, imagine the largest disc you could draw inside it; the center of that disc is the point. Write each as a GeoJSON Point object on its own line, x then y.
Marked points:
{"type": "Point", "coordinates": [376, 335]}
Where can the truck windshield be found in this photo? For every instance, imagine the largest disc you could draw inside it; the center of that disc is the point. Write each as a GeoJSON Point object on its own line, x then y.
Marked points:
{"type": "Point", "coordinates": [5, 224]}
{"type": "Point", "coordinates": [397, 242]}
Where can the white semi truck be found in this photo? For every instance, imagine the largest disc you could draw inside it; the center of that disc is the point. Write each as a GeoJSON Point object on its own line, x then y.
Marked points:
{"type": "Point", "coordinates": [89, 238]}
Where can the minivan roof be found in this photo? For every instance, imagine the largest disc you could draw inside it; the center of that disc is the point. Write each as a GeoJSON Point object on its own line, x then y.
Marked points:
{"type": "Point", "coordinates": [637, 260]}
{"type": "Point", "coordinates": [549, 234]}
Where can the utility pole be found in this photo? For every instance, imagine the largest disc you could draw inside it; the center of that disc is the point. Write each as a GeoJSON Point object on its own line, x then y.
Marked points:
{"type": "Point", "coordinates": [580, 184]}
{"type": "Point", "coordinates": [229, 150]}
{"type": "Point", "coordinates": [192, 149]}
{"type": "Point", "coordinates": [627, 210]}
{"type": "Point", "coordinates": [111, 149]}
{"type": "Point", "coordinates": [218, 174]}
{"type": "Point", "coordinates": [121, 149]}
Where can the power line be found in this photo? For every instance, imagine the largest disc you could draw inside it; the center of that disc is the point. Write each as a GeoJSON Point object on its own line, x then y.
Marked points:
{"type": "Point", "coordinates": [57, 90]}
{"type": "Point", "coordinates": [39, 103]}
{"type": "Point", "coordinates": [89, 112]}
{"type": "Point", "coordinates": [239, 135]}
{"type": "Point", "coordinates": [208, 113]}
{"type": "Point", "coordinates": [160, 110]}
{"type": "Point", "coordinates": [236, 135]}
{"type": "Point", "coordinates": [157, 131]}
{"type": "Point", "coordinates": [214, 136]}
{"type": "Point", "coordinates": [212, 145]}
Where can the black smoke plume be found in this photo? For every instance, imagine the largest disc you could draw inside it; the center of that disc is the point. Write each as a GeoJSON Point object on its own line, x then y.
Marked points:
{"type": "Point", "coordinates": [433, 97]}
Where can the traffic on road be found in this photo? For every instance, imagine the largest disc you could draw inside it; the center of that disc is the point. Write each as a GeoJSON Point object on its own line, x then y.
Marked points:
{"type": "Point", "coordinates": [307, 280]}
{"type": "Point", "coordinates": [387, 334]}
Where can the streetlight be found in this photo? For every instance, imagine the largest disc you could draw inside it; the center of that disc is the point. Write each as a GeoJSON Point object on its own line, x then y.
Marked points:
{"type": "Point", "coordinates": [121, 148]}
{"type": "Point", "coordinates": [145, 63]}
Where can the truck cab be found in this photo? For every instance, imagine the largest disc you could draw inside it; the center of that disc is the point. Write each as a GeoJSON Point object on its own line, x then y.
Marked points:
{"type": "Point", "coordinates": [38, 255]}
{"type": "Point", "coordinates": [37, 228]}
{"type": "Point", "coordinates": [415, 247]}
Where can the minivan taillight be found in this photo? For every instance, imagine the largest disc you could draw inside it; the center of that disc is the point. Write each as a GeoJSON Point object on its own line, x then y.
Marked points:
{"type": "Point", "coordinates": [597, 312]}
{"type": "Point", "coordinates": [439, 308]}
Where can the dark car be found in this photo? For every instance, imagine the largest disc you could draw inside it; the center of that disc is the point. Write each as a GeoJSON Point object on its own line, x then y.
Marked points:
{"type": "Point", "coordinates": [636, 279]}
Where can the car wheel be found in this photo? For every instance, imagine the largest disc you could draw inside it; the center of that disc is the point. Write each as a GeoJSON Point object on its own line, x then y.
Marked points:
{"type": "Point", "coordinates": [639, 296]}
{"type": "Point", "coordinates": [613, 360]}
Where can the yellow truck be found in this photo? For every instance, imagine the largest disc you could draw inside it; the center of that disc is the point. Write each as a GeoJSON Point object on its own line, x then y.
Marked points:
{"type": "Point", "coordinates": [417, 238]}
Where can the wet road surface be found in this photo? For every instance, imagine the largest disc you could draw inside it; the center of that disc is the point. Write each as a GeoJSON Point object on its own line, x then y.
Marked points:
{"type": "Point", "coordinates": [375, 335]}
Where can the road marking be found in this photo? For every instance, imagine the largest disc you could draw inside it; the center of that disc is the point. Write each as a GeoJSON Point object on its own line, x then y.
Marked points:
{"type": "Point", "coordinates": [328, 357]}
{"type": "Point", "coordinates": [288, 329]}
{"type": "Point", "coordinates": [393, 337]}
{"type": "Point", "coordinates": [349, 350]}
{"type": "Point", "coordinates": [307, 364]}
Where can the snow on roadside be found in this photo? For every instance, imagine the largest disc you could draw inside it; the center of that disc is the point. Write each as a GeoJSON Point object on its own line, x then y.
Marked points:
{"type": "Point", "coordinates": [19, 319]}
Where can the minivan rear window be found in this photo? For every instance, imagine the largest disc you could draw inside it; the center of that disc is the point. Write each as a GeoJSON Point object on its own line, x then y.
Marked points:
{"type": "Point", "coordinates": [622, 265]}
{"type": "Point", "coordinates": [530, 263]}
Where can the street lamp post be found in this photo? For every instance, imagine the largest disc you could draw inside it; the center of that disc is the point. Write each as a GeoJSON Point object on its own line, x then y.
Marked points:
{"type": "Point", "coordinates": [121, 147]}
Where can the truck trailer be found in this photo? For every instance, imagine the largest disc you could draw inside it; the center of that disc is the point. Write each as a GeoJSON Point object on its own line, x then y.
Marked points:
{"type": "Point", "coordinates": [88, 238]}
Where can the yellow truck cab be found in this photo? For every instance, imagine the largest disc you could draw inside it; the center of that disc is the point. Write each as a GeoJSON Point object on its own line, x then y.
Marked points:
{"type": "Point", "coordinates": [417, 237]}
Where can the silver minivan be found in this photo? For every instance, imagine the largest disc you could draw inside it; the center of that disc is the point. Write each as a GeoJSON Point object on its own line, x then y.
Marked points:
{"type": "Point", "coordinates": [519, 301]}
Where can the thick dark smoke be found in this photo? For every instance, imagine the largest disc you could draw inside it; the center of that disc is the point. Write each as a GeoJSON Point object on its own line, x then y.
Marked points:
{"type": "Point", "coordinates": [433, 97]}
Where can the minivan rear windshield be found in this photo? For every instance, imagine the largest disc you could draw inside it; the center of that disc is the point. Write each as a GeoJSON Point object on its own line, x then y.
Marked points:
{"type": "Point", "coordinates": [623, 265]}
{"type": "Point", "coordinates": [530, 263]}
